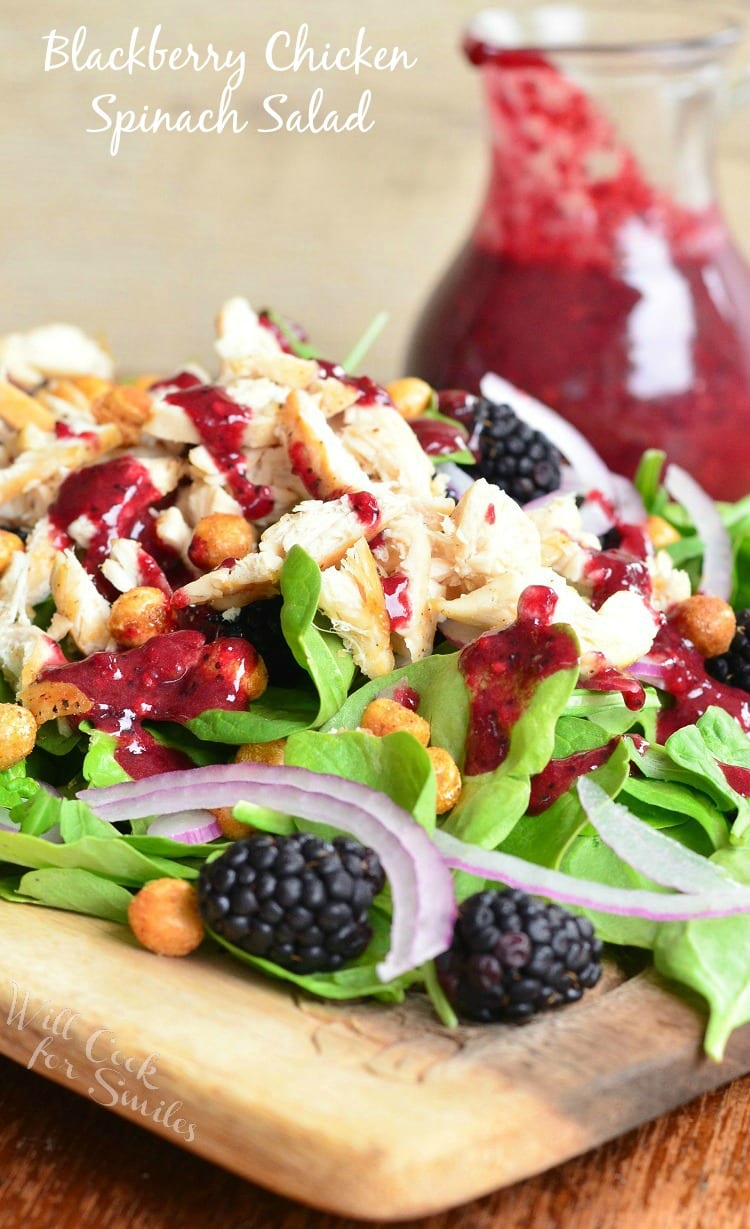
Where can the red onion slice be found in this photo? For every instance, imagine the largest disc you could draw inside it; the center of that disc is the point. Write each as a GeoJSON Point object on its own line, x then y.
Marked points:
{"type": "Point", "coordinates": [717, 546]}
{"type": "Point", "coordinates": [585, 894]}
{"type": "Point", "coordinates": [589, 466]}
{"type": "Point", "coordinates": [193, 827]}
{"type": "Point", "coordinates": [424, 904]}
{"type": "Point", "coordinates": [648, 850]}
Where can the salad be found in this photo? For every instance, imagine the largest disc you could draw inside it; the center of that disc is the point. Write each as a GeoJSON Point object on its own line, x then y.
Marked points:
{"type": "Point", "coordinates": [346, 676]}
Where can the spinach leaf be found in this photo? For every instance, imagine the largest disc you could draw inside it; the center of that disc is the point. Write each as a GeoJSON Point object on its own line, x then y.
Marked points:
{"type": "Point", "coordinates": [100, 767]}
{"type": "Point", "coordinates": [397, 765]}
{"type": "Point", "coordinates": [113, 859]}
{"type": "Point", "coordinates": [443, 700]}
{"type": "Point", "coordinates": [492, 803]}
{"type": "Point", "coordinates": [320, 653]}
{"type": "Point", "coordinates": [77, 890]}
{"type": "Point", "coordinates": [711, 956]}
{"type": "Point", "coordinates": [356, 980]}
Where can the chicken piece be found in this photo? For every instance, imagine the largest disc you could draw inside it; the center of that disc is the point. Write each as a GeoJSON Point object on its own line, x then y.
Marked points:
{"type": "Point", "coordinates": [52, 350]}
{"type": "Point", "coordinates": [387, 448]}
{"type": "Point", "coordinates": [240, 334]}
{"type": "Point", "coordinates": [325, 530]}
{"type": "Point", "coordinates": [487, 534]}
{"type": "Point", "coordinates": [248, 580]}
{"type": "Point", "coordinates": [317, 455]}
{"type": "Point", "coordinates": [669, 584]}
{"type": "Point", "coordinates": [18, 409]}
{"type": "Point", "coordinates": [78, 600]}
{"type": "Point", "coordinates": [566, 546]}
{"type": "Point", "coordinates": [40, 553]}
{"type": "Point", "coordinates": [621, 631]}
{"type": "Point", "coordinates": [406, 543]}
{"type": "Point", "coordinates": [352, 597]}
{"type": "Point", "coordinates": [173, 530]}
{"type": "Point", "coordinates": [50, 463]}
{"type": "Point", "coordinates": [171, 423]}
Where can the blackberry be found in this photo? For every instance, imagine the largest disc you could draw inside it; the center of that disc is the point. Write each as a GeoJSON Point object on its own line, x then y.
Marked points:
{"type": "Point", "coordinates": [512, 956]}
{"type": "Point", "coordinates": [733, 667]}
{"type": "Point", "coordinates": [297, 901]}
{"type": "Point", "coordinates": [512, 454]}
{"type": "Point", "coordinates": [258, 622]}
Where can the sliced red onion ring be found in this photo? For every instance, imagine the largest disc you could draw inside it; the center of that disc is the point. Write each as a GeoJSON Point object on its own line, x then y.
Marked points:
{"type": "Point", "coordinates": [192, 827]}
{"type": "Point", "coordinates": [630, 506]}
{"type": "Point", "coordinates": [424, 904]}
{"type": "Point", "coordinates": [627, 902]}
{"type": "Point", "coordinates": [647, 671]}
{"type": "Point", "coordinates": [589, 466]}
{"type": "Point", "coordinates": [648, 850]}
{"type": "Point", "coordinates": [717, 547]}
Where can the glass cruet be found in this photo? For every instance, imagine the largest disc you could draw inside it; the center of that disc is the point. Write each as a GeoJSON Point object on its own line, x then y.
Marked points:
{"type": "Point", "coordinates": [600, 275]}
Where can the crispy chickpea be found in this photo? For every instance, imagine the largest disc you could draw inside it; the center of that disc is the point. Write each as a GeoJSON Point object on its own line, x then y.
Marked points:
{"type": "Point", "coordinates": [164, 917]}
{"type": "Point", "coordinates": [10, 544]}
{"type": "Point", "coordinates": [261, 753]}
{"type": "Point", "coordinates": [709, 622]}
{"type": "Point", "coordinates": [46, 700]}
{"type": "Point", "coordinates": [386, 716]}
{"type": "Point", "coordinates": [410, 396]}
{"type": "Point", "coordinates": [448, 779]}
{"type": "Point", "coordinates": [139, 615]}
{"type": "Point", "coordinates": [661, 532]}
{"type": "Point", "coordinates": [17, 734]}
{"type": "Point", "coordinates": [125, 406]}
{"type": "Point", "coordinates": [220, 536]}
{"type": "Point", "coordinates": [231, 828]}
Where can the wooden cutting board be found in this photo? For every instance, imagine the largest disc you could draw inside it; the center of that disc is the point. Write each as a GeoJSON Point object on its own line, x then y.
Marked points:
{"type": "Point", "coordinates": [366, 1110]}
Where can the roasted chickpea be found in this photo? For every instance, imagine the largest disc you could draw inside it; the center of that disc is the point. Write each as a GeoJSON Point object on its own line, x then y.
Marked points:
{"type": "Point", "coordinates": [164, 917]}
{"type": "Point", "coordinates": [125, 406]}
{"type": "Point", "coordinates": [410, 396]}
{"type": "Point", "coordinates": [46, 700]}
{"type": "Point", "coordinates": [661, 532]}
{"type": "Point", "coordinates": [139, 615]}
{"type": "Point", "coordinates": [261, 753]}
{"type": "Point", "coordinates": [218, 537]}
{"type": "Point", "coordinates": [231, 828]}
{"type": "Point", "coordinates": [386, 716]}
{"type": "Point", "coordinates": [10, 544]}
{"type": "Point", "coordinates": [17, 734]}
{"type": "Point", "coordinates": [708, 621]}
{"type": "Point", "coordinates": [448, 779]}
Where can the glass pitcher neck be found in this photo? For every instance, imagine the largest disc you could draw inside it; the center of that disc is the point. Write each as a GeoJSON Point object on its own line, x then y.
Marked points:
{"type": "Point", "coordinates": [581, 156]}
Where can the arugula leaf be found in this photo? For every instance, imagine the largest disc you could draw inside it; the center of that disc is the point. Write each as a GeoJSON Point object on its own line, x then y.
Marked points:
{"type": "Point", "coordinates": [301, 348]}
{"type": "Point", "coordinates": [76, 890]}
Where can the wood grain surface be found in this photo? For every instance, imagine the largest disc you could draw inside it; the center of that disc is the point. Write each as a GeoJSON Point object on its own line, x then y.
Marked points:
{"type": "Point", "coordinates": [67, 1164]}
{"type": "Point", "coordinates": [360, 1109]}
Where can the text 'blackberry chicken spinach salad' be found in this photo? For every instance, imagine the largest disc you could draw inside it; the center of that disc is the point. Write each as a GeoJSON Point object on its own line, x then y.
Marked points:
{"type": "Point", "coordinates": [377, 688]}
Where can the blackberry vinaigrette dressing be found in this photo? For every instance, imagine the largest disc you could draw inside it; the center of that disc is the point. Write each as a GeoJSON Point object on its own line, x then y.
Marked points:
{"type": "Point", "coordinates": [599, 276]}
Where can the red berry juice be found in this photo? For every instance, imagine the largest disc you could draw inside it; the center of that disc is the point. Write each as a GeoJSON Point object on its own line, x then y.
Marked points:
{"type": "Point", "coordinates": [594, 290]}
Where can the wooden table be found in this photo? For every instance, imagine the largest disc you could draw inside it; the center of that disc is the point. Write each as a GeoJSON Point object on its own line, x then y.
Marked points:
{"type": "Point", "coordinates": [65, 1163]}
